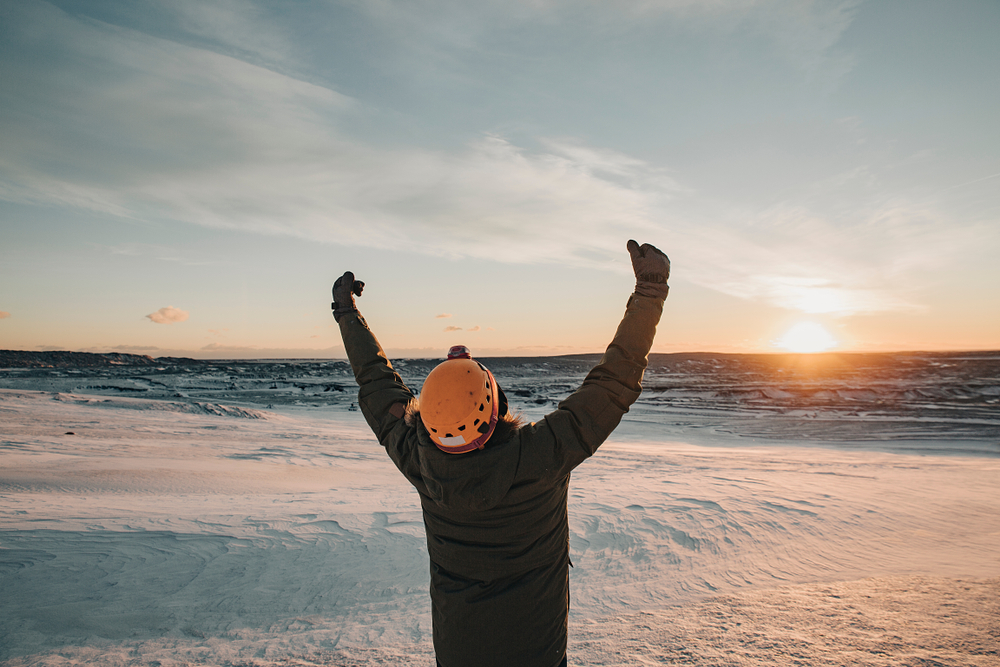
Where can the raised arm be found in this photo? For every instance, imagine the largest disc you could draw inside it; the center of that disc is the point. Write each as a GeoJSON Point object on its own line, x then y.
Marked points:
{"type": "Point", "coordinates": [382, 395]}
{"type": "Point", "coordinates": [587, 417]}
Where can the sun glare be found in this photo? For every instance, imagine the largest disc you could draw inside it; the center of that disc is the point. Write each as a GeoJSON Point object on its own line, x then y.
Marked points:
{"type": "Point", "coordinates": [807, 337]}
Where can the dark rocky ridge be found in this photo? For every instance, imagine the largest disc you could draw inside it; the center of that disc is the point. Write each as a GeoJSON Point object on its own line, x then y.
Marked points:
{"type": "Point", "coordinates": [902, 401]}
{"type": "Point", "coordinates": [63, 359]}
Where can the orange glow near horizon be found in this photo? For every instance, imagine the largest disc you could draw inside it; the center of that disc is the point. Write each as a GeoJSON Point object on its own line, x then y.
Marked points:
{"type": "Point", "coordinates": [806, 337]}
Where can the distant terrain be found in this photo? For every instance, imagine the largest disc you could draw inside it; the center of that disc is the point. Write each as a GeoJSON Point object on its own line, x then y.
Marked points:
{"type": "Point", "coordinates": [63, 359]}
{"type": "Point", "coordinates": [895, 400]}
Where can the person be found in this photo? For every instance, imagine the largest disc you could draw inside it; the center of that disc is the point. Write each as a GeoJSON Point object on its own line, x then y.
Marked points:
{"type": "Point", "coordinates": [493, 489]}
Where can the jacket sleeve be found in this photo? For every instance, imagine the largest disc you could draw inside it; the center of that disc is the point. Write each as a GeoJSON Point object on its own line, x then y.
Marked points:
{"type": "Point", "coordinates": [585, 419]}
{"type": "Point", "coordinates": [382, 395]}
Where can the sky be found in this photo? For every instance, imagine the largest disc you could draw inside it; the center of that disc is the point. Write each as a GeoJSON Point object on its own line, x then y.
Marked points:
{"type": "Point", "coordinates": [188, 177]}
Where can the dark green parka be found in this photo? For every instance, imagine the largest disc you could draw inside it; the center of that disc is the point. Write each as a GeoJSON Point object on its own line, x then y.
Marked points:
{"type": "Point", "coordinates": [496, 518]}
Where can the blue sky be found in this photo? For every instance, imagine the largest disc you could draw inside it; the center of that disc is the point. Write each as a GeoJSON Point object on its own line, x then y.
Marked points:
{"type": "Point", "coordinates": [481, 164]}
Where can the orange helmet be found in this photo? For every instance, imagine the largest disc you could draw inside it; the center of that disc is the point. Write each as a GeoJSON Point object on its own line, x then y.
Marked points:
{"type": "Point", "coordinates": [460, 403]}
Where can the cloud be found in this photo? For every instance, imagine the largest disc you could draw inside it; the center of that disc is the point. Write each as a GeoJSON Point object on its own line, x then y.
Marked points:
{"type": "Point", "coordinates": [817, 24]}
{"type": "Point", "coordinates": [475, 328]}
{"type": "Point", "coordinates": [191, 118]}
{"type": "Point", "coordinates": [791, 257]}
{"type": "Point", "coordinates": [442, 316]}
{"type": "Point", "coordinates": [158, 252]}
{"type": "Point", "coordinates": [801, 35]}
{"type": "Point", "coordinates": [452, 328]}
{"type": "Point", "coordinates": [134, 348]}
{"type": "Point", "coordinates": [804, 33]}
{"type": "Point", "coordinates": [168, 315]}
{"type": "Point", "coordinates": [4, 314]}
{"type": "Point", "coordinates": [204, 138]}
{"type": "Point", "coordinates": [222, 128]}
{"type": "Point", "coordinates": [210, 139]}
{"type": "Point", "coordinates": [818, 296]}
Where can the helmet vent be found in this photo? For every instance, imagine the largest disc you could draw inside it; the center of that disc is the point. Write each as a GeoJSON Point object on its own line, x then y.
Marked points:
{"type": "Point", "coordinates": [451, 394]}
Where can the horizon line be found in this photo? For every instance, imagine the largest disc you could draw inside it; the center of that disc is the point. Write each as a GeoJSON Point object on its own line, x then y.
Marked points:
{"type": "Point", "coordinates": [571, 355]}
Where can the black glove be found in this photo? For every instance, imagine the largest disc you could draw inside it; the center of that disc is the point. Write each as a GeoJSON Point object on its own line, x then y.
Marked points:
{"type": "Point", "coordinates": [344, 291]}
{"type": "Point", "coordinates": [652, 268]}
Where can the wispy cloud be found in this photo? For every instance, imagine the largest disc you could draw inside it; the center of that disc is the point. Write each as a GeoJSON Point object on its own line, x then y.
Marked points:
{"type": "Point", "coordinates": [168, 315]}
{"type": "Point", "coordinates": [158, 252]}
{"type": "Point", "coordinates": [168, 130]}
{"type": "Point", "coordinates": [442, 316]}
{"type": "Point", "coordinates": [4, 314]}
{"type": "Point", "coordinates": [212, 140]}
{"type": "Point", "coordinates": [788, 256]}
{"type": "Point", "coordinates": [475, 328]}
{"type": "Point", "coordinates": [817, 24]}
{"type": "Point", "coordinates": [452, 328]}
{"type": "Point", "coordinates": [208, 139]}
{"type": "Point", "coordinates": [138, 111]}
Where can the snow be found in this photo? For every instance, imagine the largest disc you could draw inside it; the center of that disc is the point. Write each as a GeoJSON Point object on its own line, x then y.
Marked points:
{"type": "Point", "coordinates": [882, 622]}
{"type": "Point", "coordinates": [175, 530]}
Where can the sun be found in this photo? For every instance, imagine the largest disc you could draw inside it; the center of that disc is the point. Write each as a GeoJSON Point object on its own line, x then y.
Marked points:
{"type": "Point", "coordinates": [807, 337]}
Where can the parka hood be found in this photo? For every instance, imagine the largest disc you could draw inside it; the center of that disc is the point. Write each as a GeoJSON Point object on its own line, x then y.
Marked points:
{"type": "Point", "coordinates": [473, 481]}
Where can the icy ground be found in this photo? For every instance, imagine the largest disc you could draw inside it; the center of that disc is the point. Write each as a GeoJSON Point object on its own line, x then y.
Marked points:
{"type": "Point", "coordinates": [890, 401]}
{"type": "Point", "coordinates": [146, 527]}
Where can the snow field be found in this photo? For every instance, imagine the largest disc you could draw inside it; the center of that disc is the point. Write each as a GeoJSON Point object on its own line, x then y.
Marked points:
{"type": "Point", "coordinates": [161, 534]}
